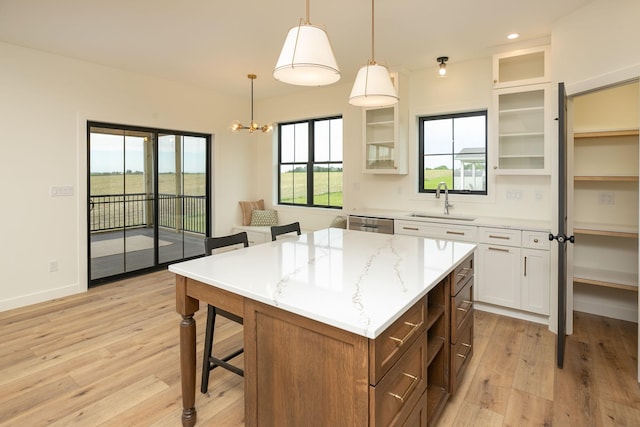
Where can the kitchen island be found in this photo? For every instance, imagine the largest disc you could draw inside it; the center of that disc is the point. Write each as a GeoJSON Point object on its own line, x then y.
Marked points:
{"type": "Point", "coordinates": [340, 327]}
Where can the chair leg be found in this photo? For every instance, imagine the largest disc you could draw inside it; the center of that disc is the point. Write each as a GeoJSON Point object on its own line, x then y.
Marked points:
{"type": "Point", "coordinates": [208, 344]}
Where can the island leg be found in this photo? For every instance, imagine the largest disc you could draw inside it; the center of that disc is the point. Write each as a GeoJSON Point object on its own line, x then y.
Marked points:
{"type": "Point", "coordinates": [188, 369]}
{"type": "Point", "coordinates": [187, 306]}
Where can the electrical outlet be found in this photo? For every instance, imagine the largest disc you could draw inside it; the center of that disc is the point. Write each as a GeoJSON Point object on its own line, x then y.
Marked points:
{"type": "Point", "coordinates": [514, 195]}
{"type": "Point", "coordinates": [53, 266]}
{"type": "Point", "coordinates": [606, 198]}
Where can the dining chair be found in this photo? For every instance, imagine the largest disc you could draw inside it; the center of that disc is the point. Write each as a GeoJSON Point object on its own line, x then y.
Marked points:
{"type": "Point", "coordinates": [277, 230]}
{"type": "Point", "coordinates": [209, 362]}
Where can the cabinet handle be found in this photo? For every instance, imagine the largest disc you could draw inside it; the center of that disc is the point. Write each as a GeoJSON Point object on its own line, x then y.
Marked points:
{"type": "Point", "coordinates": [535, 240]}
{"type": "Point", "coordinates": [464, 309]}
{"type": "Point", "coordinates": [525, 266]}
{"type": "Point", "coordinates": [492, 236]}
{"type": "Point", "coordinates": [411, 228]}
{"type": "Point", "coordinates": [414, 382]}
{"type": "Point", "coordinates": [491, 248]}
{"type": "Point", "coordinates": [413, 326]}
{"type": "Point", "coordinates": [464, 344]}
{"type": "Point", "coordinates": [457, 233]}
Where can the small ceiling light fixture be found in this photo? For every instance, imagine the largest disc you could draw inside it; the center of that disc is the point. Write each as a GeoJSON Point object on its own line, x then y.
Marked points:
{"type": "Point", "coordinates": [306, 58]}
{"type": "Point", "coordinates": [373, 86]}
{"type": "Point", "coordinates": [253, 126]}
{"type": "Point", "coordinates": [442, 69]}
{"type": "Point", "coordinates": [513, 36]}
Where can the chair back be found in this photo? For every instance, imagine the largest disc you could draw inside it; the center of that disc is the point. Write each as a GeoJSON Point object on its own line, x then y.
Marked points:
{"type": "Point", "coordinates": [277, 230]}
{"type": "Point", "coordinates": [211, 243]}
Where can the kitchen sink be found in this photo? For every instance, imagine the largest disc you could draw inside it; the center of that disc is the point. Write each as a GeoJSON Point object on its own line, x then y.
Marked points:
{"type": "Point", "coordinates": [442, 216]}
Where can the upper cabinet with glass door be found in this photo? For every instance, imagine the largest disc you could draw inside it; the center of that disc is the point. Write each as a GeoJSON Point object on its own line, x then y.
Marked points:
{"type": "Point", "coordinates": [521, 67]}
{"type": "Point", "coordinates": [521, 112]}
{"type": "Point", "coordinates": [521, 130]}
{"type": "Point", "coordinates": [385, 140]}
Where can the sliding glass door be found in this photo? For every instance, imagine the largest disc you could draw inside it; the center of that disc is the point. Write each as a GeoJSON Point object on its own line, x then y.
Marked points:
{"type": "Point", "coordinates": [147, 200]}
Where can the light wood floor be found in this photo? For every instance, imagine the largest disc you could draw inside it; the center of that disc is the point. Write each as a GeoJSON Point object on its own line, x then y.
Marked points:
{"type": "Point", "coordinates": [109, 357]}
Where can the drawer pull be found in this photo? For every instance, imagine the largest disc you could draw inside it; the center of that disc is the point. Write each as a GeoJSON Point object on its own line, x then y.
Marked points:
{"type": "Point", "coordinates": [457, 233]}
{"type": "Point", "coordinates": [464, 344]}
{"type": "Point", "coordinates": [491, 248]}
{"type": "Point", "coordinates": [467, 303]}
{"type": "Point", "coordinates": [411, 228]}
{"type": "Point", "coordinates": [413, 326]}
{"type": "Point", "coordinates": [493, 236]}
{"type": "Point", "coordinates": [535, 240]}
{"type": "Point", "coordinates": [414, 382]}
{"type": "Point", "coordinates": [463, 356]}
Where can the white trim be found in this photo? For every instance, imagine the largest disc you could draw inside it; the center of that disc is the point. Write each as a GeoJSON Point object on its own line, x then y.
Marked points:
{"type": "Point", "coordinates": [509, 312]}
{"type": "Point", "coordinates": [37, 297]}
{"type": "Point", "coordinates": [598, 82]}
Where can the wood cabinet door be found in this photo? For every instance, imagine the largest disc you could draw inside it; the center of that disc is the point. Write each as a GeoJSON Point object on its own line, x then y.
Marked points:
{"type": "Point", "coordinates": [299, 372]}
{"type": "Point", "coordinates": [498, 275]}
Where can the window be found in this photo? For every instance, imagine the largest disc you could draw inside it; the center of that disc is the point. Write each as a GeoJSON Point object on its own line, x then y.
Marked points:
{"type": "Point", "coordinates": [453, 150]}
{"type": "Point", "coordinates": [310, 145]}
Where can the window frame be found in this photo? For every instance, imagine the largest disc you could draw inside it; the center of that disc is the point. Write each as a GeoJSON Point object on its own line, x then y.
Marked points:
{"type": "Point", "coordinates": [310, 163]}
{"type": "Point", "coordinates": [421, 154]}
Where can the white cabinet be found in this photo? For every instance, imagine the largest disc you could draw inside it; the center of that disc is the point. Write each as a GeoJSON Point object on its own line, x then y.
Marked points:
{"type": "Point", "coordinates": [521, 67]}
{"type": "Point", "coordinates": [513, 269]}
{"type": "Point", "coordinates": [534, 292]}
{"type": "Point", "coordinates": [461, 233]}
{"type": "Point", "coordinates": [512, 265]}
{"type": "Point", "coordinates": [521, 130]}
{"type": "Point", "coordinates": [384, 149]}
{"type": "Point", "coordinates": [498, 275]}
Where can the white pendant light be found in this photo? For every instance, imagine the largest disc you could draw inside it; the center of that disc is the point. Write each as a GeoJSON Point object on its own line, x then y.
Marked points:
{"type": "Point", "coordinates": [373, 86]}
{"type": "Point", "coordinates": [306, 58]}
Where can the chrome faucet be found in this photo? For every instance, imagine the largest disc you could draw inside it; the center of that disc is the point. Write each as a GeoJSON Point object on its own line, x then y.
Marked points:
{"type": "Point", "coordinates": [446, 196]}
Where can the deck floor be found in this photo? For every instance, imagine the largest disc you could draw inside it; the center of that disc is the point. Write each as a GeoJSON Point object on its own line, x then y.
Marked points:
{"type": "Point", "coordinates": [180, 246]}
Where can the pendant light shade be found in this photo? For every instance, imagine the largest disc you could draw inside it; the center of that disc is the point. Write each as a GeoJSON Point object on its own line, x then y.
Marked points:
{"type": "Point", "coordinates": [306, 58]}
{"type": "Point", "coordinates": [373, 86]}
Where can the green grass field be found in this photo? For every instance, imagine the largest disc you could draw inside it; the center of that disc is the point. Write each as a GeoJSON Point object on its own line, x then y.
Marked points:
{"type": "Point", "coordinates": [327, 188]}
{"type": "Point", "coordinates": [432, 177]}
{"type": "Point", "coordinates": [194, 184]}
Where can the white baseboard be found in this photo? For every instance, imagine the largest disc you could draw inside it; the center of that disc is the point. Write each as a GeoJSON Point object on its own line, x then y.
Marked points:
{"type": "Point", "coordinates": [36, 297]}
{"type": "Point", "coordinates": [510, 312]}
{"type": "Point", "coordinates": [630, 314]}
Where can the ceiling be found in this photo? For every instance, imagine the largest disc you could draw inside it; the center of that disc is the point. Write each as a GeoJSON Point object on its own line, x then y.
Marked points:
{"type": "Point", "coordinates": [217, 43]}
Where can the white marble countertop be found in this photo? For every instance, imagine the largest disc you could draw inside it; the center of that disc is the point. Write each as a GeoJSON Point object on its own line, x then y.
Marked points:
{"type": "Point", "coordinates": [478, 221]}
{"type": "Point", "coordinates": [357, 281]}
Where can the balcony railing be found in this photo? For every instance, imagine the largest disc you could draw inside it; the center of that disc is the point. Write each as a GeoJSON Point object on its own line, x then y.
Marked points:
{"type": "Point", "coordinates": [117, 211]}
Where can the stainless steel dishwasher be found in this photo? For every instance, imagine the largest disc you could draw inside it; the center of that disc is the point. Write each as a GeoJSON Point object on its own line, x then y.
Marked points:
{"type": "Point", "coordinates": [371, 224]}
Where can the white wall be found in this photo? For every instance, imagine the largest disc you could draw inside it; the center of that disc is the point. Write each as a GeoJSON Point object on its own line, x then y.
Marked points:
{"type": "Point", "coordinates": [46, 100]}
{"type": "Point", "coordinates": [467, 87]}
{"type": "Point", "coordinates": [597, 45]}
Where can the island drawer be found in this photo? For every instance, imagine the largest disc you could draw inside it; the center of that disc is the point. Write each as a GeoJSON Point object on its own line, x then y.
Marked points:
{"type": "Point", "coordinates": [462, 275]}
{"type": "Point", "coordinates": [461, 352]}
{"type": "Point", "coordinates": [393, 399]}
{"type": "Point", "coordinates": [391, 344]}
{"type": "Point", "coordinates": [461, 309]}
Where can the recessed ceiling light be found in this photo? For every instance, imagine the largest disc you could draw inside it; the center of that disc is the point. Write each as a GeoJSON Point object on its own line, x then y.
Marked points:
{"type": "Point", "coordinates": [513, 36]}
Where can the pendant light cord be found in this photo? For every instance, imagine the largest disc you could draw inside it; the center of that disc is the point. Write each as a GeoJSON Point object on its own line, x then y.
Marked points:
{"type": "Point", "coordinates": [308, 13]}
{"type": "Point", "coordinates": [373, 60]}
